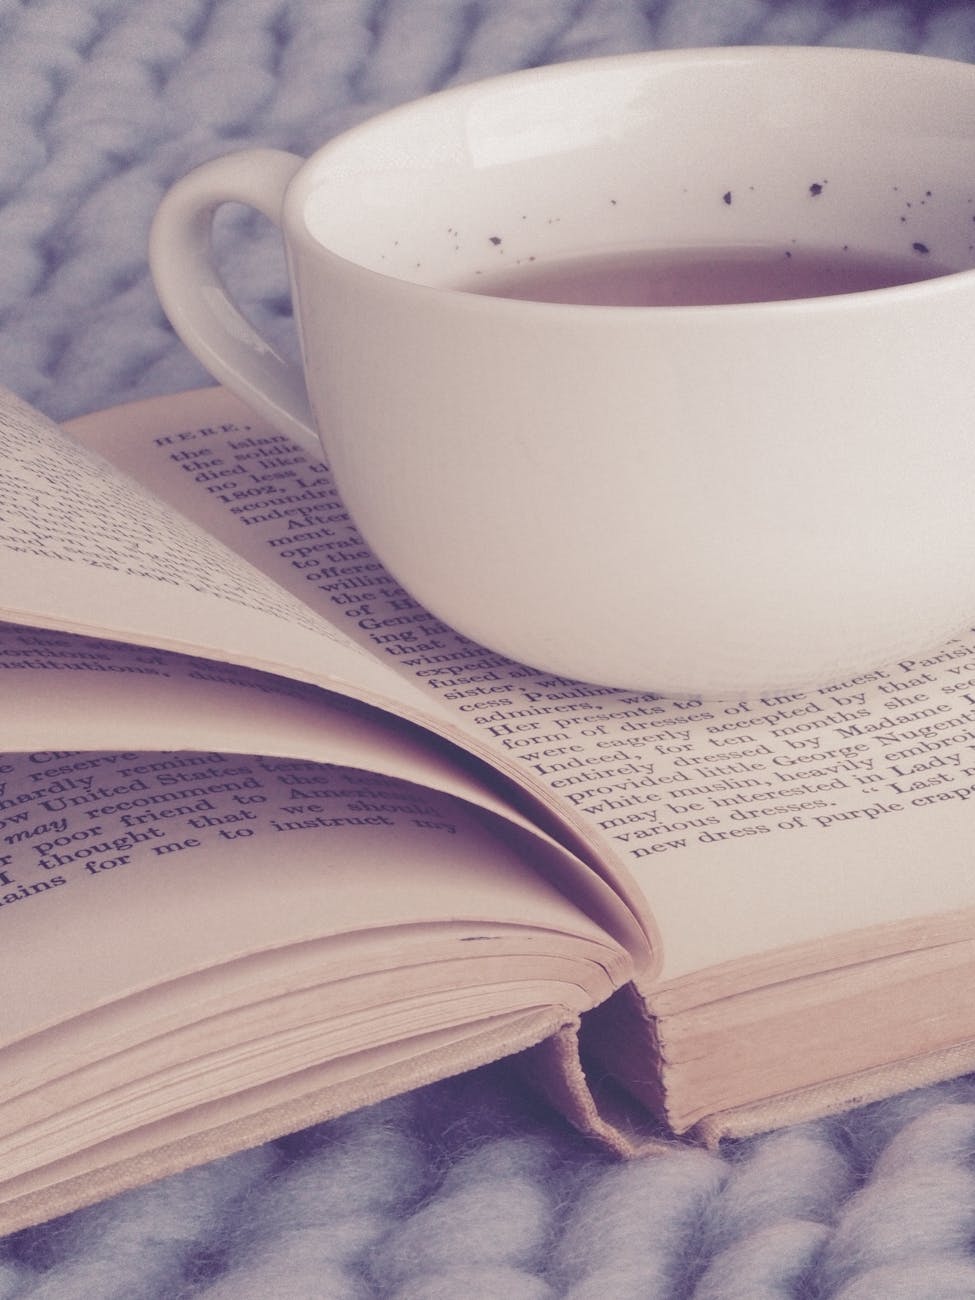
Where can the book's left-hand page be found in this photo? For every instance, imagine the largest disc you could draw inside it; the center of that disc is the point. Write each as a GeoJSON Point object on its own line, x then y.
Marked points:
{"type": "Point", "coordinates": [86, 549]}
{"type": "Point", "coordinates": [191, 940]}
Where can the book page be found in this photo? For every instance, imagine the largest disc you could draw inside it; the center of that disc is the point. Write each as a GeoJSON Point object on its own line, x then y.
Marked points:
{"type": "Point", "coordinates": [80, 693]}
{"type": "Point", "coordinates": [90, 693]}
{"type": "Point", "coordinates": [87, 550]}
{"type": "Point", "coordinates": [746, 825]}
{"type": "Point", "coordinates": [122, 871]}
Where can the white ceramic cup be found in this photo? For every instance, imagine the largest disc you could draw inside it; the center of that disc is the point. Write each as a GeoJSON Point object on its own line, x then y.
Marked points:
{"type": "Point", "coordinates": [717, 499]}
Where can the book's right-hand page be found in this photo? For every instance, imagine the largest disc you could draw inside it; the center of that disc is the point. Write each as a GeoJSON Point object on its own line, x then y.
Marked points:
{"type": "Point", "coordinates": [751, 827]}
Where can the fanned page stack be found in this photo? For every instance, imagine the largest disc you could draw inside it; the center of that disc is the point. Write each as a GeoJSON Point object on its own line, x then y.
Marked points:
{"type": "Point", "coordinates": [275, 843]}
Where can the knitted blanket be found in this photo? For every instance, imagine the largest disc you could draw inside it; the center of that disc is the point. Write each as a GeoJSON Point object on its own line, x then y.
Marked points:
{"type": "Point", "coordinates": [465, 1188]}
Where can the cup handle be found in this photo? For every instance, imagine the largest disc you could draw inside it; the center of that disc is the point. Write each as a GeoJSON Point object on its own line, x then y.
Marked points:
{"type": "Point", "coordinates": [196, 300]}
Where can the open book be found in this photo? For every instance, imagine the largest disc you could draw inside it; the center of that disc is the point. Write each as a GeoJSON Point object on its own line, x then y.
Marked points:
{"type": "Point", "coordinates": [275, 843]}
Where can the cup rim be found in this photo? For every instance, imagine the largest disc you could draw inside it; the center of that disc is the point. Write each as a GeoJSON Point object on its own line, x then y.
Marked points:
{"type": "Point", "coordinates": [306, 180]}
